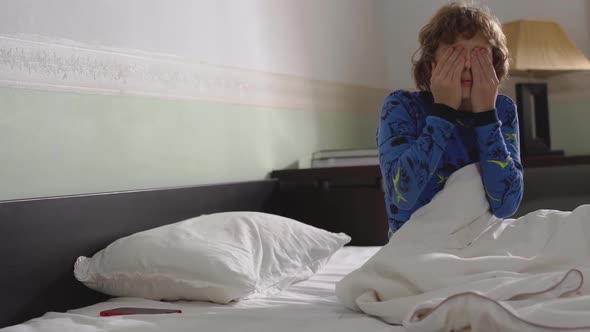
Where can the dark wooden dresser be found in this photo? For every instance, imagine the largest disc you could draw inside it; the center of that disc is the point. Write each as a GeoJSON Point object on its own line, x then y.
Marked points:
{"type": "Point", "coordinates": [350, 199]}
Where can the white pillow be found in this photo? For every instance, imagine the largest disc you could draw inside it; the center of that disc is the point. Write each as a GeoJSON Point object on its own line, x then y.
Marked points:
{"type": "Point", "coordinates": [219, 257]}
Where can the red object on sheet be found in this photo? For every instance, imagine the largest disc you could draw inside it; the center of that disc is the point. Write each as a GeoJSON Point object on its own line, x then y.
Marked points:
{"type": "Point", "coordinates": [137, 311]}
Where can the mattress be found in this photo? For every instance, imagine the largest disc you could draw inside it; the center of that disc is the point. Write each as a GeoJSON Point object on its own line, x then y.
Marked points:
{"type": "Point", "coordinates": [310, 305]}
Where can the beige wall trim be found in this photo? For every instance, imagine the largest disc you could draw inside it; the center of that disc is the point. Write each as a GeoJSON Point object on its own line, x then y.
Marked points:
{"type": "Point", "coordinates": [53, 64]}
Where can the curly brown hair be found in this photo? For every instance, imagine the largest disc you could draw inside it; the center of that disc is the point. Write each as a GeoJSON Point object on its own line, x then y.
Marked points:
{"type": "Point", "coordinates": [458, 20]}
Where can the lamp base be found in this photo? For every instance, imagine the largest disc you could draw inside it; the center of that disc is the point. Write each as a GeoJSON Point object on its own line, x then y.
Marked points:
{"type": "Point", "coordinates": [533, 117]}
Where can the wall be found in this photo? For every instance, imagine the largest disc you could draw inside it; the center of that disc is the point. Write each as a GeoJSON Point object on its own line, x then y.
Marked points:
{"type": "Point", "coordinates": [62, 142]}
{"type": "Point", "coordinates": [143, 93]}
{"type": "Point", "coordinates": [167, 126]}
{"type": "Point", "coordinates": [334, 40]}
{"type": "Point", "coordinates": [112, 95]}
{"type": "Point", "coordinates": [337, 40]}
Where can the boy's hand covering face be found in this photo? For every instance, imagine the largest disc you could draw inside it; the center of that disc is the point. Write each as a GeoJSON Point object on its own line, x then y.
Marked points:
{"type": "Point", "coordinates": [445, 82]}
{"type": "Point", "coordinates": [485, 81]}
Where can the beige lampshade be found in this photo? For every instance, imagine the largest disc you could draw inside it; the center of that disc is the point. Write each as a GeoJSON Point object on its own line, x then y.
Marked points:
{"type": "Point", "coordinates": [541, 48]}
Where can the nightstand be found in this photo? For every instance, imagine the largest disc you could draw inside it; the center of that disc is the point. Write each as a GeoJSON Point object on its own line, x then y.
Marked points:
{"type": "Point", "coordinates": [350, 199]}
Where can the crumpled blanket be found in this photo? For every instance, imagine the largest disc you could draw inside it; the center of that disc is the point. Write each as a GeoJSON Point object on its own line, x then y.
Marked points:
{"type": "Point", "coordinates": [455, 267]}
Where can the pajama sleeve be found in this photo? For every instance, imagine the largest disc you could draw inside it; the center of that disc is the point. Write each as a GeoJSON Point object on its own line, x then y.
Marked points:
{"type": "Point", "coordinates": [499, 152]}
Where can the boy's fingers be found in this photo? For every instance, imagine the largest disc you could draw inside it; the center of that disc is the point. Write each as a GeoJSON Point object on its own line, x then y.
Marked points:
{"type": "Point", "coordinates": [448, 65]}
{"type": "Point", "coordinates": [446, 55]}
{"type": "Point", "coordinates": [488, 66]}
{"type": "Point", "coordinates": [459, 66]}
{"type": "Point", "coordinates": [438, 66]}
{"type": "Point", "coordinates": [476, 68]}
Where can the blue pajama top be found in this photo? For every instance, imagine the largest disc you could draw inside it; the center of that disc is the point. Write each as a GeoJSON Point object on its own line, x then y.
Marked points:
{"type": "Point", "coordinates": [422, 143]}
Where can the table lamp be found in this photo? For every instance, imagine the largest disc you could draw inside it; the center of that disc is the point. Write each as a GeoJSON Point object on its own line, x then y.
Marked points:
{"type": "Point", "coordinates": [538, 49]}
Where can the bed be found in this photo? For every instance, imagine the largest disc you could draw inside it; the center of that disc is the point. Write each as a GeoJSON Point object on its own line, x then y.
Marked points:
{"type": "Point", "coordinates": [41, 239]}
{"type": "Point", "coordinates": [306, 306]}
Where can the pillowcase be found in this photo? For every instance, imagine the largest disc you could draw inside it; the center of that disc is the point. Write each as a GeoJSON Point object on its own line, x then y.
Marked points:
{"type": "Point", "coordinates": [220, 258]}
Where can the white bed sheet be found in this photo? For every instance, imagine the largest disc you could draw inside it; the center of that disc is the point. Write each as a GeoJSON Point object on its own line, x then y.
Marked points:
{"type": "Point", "coordinates": [310, 305]}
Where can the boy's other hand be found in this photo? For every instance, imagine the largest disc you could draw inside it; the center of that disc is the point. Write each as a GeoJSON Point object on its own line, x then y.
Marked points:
{"type": "Point", "coordinates": [485, 81]}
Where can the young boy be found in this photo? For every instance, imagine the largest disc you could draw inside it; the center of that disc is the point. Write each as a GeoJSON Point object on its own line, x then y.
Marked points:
{"type": "Point", "coordinates": [457, 118]}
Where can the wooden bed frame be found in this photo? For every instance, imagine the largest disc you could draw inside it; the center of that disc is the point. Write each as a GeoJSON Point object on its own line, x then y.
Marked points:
{"type": "Point", "coordinates": [41, 238]}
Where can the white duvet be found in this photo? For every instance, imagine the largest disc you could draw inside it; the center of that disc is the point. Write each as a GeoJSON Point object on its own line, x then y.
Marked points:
{"type": "Point", "coordinates": [455, 267]}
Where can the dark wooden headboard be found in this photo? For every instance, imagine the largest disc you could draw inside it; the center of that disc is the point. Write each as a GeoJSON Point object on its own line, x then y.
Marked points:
{"type": "Point", "coordinates": [41, 238]}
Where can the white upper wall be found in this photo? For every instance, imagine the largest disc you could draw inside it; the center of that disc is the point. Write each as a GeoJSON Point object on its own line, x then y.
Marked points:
{"type": "Point", "coordinates": [368, 42]}
{"type": "Point", "coordinates": [329, 39]}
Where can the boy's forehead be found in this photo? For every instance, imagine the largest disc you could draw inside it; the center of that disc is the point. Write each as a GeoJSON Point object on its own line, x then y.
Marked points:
{"type": "Point", "coordinates": [477, 41]}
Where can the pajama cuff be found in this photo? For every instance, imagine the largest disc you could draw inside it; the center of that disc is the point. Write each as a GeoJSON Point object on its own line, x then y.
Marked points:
{"type": "Point", "coordinates": [446, 112]}
{"type": "Point", "coordinates": [485, 118]}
